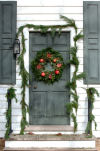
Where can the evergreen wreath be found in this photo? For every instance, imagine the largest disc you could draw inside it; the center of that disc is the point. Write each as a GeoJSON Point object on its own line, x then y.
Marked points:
{"type": "Point", "coordinates": [42, 59]}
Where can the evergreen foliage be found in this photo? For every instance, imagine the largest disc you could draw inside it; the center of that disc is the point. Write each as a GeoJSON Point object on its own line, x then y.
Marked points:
{"type": "Point", "coordinates": [91, 92]}
{"type": "Point", "coordinates": [10, 95]}
{"type": "Point", "coordinates": [25, 77]}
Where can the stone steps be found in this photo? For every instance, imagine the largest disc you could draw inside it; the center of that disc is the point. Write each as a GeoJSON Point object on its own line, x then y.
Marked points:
{"type": "Point", "coordinates": [45, 144]}
{"type": "Point", "coordinates": [50, 137]}
{"type": "Point", "coordinates": [48, 149]}
{"type": "Point", "coordinates": [48, 142]}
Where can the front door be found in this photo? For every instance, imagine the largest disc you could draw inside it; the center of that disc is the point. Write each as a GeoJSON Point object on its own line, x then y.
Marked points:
{"type": "Point", "coordinates": [47, 104]}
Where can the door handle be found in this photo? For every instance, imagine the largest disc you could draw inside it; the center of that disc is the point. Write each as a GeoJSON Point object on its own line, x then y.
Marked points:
{"type": "Point", "coordinates": [35, 87]}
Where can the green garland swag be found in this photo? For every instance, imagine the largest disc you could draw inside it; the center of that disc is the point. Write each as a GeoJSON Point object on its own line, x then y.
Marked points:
{"type": "Point", "coordinates": [25, 78]}
{"type": "Point", "coordinates": [43, 58]}
{"type": "Point", "coordinates": [91, 92]}
{"type": "Point", "coordinates": [11, 95]}
{"type": "Point", "coordinates": [74, 61]}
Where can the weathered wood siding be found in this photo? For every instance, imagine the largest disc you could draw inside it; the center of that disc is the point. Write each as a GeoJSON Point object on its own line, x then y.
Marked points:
{"type": "Point", "coordinates": [47, 12]}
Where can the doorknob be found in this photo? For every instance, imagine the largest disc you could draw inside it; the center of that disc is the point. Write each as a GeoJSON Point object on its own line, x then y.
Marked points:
{"type": "Point", "coordinates": [35, 87]}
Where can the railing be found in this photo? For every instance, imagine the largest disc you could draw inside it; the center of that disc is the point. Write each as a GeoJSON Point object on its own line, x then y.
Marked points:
{"type": "Point", "coordinates": [9, 116]}
{"type": "Point", "coordinates": [89, 115]}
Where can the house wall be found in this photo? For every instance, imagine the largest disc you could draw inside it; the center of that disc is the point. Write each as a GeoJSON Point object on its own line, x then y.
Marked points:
{"type": "Point", "coordinates": [47, 12]}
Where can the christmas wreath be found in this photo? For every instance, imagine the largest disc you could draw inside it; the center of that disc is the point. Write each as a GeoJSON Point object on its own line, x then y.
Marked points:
{"type": "Point", "coordinates": [48, 58]}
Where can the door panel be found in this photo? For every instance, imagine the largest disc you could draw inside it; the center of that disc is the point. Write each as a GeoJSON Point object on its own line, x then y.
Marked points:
{"type": "Point", "coordinates": [48, 102]}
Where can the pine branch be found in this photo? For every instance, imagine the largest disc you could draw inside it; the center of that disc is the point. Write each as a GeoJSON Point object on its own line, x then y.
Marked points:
{"type": "Point", "coordinates": [80, 76]}
{"type": "Point", "coordinates": [71, 22]}
{"type": "Point", "coordinates": [78, 36]}
{"type": "Point", "coordinates": [75, 121]}
{"type": "Point", "coordinates": [90, 95]}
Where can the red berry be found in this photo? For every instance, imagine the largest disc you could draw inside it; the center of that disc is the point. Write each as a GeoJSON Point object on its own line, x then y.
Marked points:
{"type": "Point", "coordinates": [39, 66]}
{"type": "Point", "coordinates": [50, 76]}
{"type": "Point", "coordinates": [49, 55]}
{"type": "Point", "coordinates": [57, 72]}
{"type": "Point", "coordinates": [43, 74]}
{"type": "Point", "coordinates": [59, 65]}
{"type": "Point", "coordinates": [41, 60]}
{"type": "Point", "coordinates": [54, 60]}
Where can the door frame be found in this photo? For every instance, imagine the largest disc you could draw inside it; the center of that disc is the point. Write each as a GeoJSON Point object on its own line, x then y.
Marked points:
{"type": "Point", "coordinates": [26, 58]}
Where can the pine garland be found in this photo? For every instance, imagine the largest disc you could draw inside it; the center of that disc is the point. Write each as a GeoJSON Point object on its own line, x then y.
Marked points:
{"type": "Point", "coordinates": [25, 77]}
{"type": "Point", "coordinates": [10, 95]}
{"type": "Point", "coordinates": [91, 92]}
{"type": "Point", "coordinates": [74, 61]}
{"type": "Point", "coordinates": [72, 106]}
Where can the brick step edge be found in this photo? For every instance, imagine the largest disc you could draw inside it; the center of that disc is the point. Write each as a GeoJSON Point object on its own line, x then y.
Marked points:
{"type": "Point", "coordinates": [49, 149]}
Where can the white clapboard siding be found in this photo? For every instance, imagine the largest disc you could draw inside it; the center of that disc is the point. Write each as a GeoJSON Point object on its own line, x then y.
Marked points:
{"type": "Point", "coordinates": [97, 118]}
{"type": "Point", "coordinates": [3, 104]}
{"type": "Point", "coordinates": [83, 104]}
{"type": "Point", "coordinates": [2, 118]}
{"type": "Point", "coordinates": [81, 112]}
{"type": "Point", "coordinates": [18, 77]}
{"type": "Point", "coordinates": [50, 10]}
{"type": "Point", "coordinates": [16, 126]}
{"type": "Point", "coordinates": [50, 3]}
{"type": "Point", "coordinates": [2, 98]}
{"type": "Point", "coordinates": [2, 133]}
{"type": "Point", "coordinates": [80, 52]}
{"type": "Point", "coordinates": [3, 126]}
{"type": "Point", "coordinates": [54, 17]}
{"type": "Point", "coordinates": [97, 105]}
{"type": "Point", "coordinates": [3, 91]}
{"type": "Point", "coordinates": [2, 112]}
{"type": "Point", "coordinates": [16, 119]}
{"type": "Point", "coordinates": [47, 12]}
{"type": "Point", "coordinates": [96, 133]}
{"type": "Point", "coordinates": [82, 126]}
{"type": "Point", "coordinates": [82, 97]}
{"type": "Point", "coordinates": [16, 112]}
{"type": "Point", "coordinates": [82, 119]}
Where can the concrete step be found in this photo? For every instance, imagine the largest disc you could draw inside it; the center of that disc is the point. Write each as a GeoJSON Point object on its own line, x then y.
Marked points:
{"type": "Point", "coordinates": [49, 128]}
{"type": "Point", "coordinates": [49, 149]}
{"type": "Point", "coordinates": [50, 137]}
{"type": "Point", "coordinates": [58, 141]}
{"type": "Point", "coordinates": [50, 144]}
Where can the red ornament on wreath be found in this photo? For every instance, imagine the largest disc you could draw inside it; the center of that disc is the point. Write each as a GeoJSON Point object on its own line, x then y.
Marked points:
{"type": "Point", "coordinates": [59, 65]}
{"type": "Point", "coordinates": [41, 60]}
{"type": "Point", "coordinates": [57, 72]}
{"type": "Point", "coordinates": [49, 55]}
{"type": "Point", "coordinates": [43, 74]}
{"type": "Point", "coordinates": [40, 66]}
{"type": "Point", "coordinates": [55, 60]}
{"type": "Point", "coordinates": [50, 76]}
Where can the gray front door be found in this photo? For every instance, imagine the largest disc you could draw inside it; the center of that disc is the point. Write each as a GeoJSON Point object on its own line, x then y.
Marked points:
{"type": "Point", "coordinates": [48, 102]}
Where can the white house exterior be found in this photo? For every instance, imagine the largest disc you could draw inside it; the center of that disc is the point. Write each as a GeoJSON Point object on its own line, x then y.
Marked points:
{"type": "Point", "coordinates": [47, 12]}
